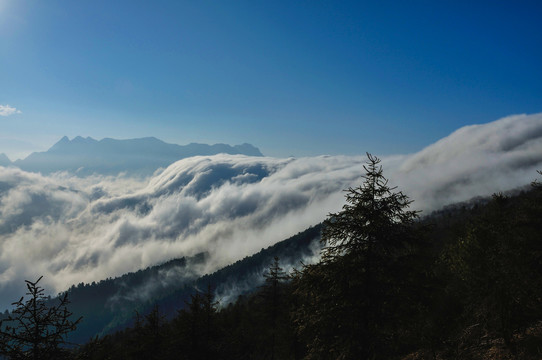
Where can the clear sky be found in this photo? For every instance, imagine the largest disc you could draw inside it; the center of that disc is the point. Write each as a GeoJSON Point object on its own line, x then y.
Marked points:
{"type": "Point", "coordinates": [291, 77]}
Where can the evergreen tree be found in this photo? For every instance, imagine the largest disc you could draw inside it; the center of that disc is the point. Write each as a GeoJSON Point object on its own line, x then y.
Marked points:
{"type": "Point", "coordinates": [196, 327]}
{"type": "Point", "coordinates": [36, 329]}
{"type": "Point", "coordinates": [372, 221]}
{"type": "Point", "coordinates": [272, 293]}
{"type": "Point", "coordinates": [149, 334]}
{"type": "Point", "coordinates": [351, 299]}
{"type": "Point", "coordinates": [210, 334]}
{"type": "Point", "coordinates": [536, 184]}
{"type": "Point", "coordinates": [498, 267]}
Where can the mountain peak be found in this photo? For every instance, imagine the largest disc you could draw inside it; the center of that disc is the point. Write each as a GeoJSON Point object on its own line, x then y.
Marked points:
{"type": "Point", "coordinates": [59, 144]}
{"type": "Point", "coordinates": [82, 140]}
{"type": "Point", "coordinates": [248, 149]}
{"type": "Point", "coordinates": [4, 160]}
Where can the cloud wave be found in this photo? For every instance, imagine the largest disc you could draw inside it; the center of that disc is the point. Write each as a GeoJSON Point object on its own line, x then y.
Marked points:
{"type": "Point", "coordinates": [85, 229]}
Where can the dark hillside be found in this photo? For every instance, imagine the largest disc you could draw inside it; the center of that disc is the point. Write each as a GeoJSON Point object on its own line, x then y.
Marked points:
{"type": "Point", "coordinates": [111, 304]}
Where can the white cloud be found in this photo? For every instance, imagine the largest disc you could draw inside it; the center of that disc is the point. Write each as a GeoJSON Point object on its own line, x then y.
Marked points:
{"type": "Point", "coordinates": [6, 110]}
{"type": "Point", "coordinates": [85, 229]}
{"type": "Point", "coordinates": [474, 160]}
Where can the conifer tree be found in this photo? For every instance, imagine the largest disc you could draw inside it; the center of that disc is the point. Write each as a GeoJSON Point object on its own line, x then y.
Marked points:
{"type": "Point", "coordinates": [351, 296]}
{"type": "Point", "coordinates": [196, 326]}
{"type": "Point", "coordinates": [271, 293]}
{"type": "Point", "coordinates": [36, 329]}
{"type": "Point", "coordinates": [149, 335]}
{"type": "Point", "coordinates": [210, 309]}
{"type": "Point", "coordinates": [536, 184]}
{"type": "Point", "coordinates": [370, 220]}
{"type": "Point", "coordinates": [497, 265]}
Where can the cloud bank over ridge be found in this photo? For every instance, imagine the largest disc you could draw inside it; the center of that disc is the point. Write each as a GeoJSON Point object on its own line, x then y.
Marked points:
{"type": "Point", "coordinates": [474, 160]}
{"type": "Point", "coordinates": [85, 229]}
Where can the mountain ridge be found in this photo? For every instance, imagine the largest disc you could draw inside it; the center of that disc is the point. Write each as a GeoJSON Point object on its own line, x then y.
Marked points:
{"type": "Point", "coordinates": [108, 156]}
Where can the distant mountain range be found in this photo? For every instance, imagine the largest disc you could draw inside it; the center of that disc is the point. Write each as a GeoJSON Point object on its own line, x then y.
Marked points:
{"type": "Point", "coordinates": [86, 156]}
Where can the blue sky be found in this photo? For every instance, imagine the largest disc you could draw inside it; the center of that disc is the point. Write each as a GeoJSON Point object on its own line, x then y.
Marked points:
{"type": "Point", "coordinates": [291, 77]}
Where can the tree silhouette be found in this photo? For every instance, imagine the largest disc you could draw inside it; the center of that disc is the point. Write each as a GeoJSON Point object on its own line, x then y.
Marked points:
{"type": "Point", "coordinates": [536, 184]}
{"type": "Point", "coordinates": [196, 328]}
{"type": "Point", "coordinates": [370, 220]}
{"type": "Point", "coordinates": [271, 293]}
{"type": "Point", "coordinates": [149, 335]}
{"type": "Point", "coordinates": [36, 329]}
{"type": "Point", "coordinates": [497, 266]}
{"type": "Point", "coordinates": [354, 293]}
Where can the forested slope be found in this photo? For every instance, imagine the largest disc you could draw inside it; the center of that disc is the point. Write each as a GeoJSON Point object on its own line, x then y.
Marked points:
{"type": "Point", "coordinates": [461, 284]}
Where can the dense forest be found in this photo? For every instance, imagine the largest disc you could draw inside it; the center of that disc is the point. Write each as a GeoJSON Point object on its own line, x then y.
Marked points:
{"type": "Point", "coordinates": [464, 283]}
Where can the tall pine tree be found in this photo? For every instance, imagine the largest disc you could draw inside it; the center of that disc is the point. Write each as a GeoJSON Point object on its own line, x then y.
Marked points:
{"type": "Point", "coordinates": [352, 298]}
{"type": "Point", "coordinates": [272, 293]}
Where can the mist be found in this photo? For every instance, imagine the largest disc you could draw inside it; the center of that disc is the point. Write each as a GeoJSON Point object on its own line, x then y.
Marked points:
{"type": "Point", "coordinates": [72, 229]}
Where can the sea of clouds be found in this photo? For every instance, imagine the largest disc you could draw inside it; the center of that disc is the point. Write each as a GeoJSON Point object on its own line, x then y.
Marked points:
{"type": "Point", "coordinates": [74, 230]}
